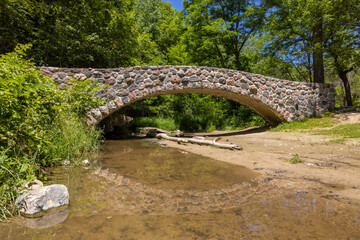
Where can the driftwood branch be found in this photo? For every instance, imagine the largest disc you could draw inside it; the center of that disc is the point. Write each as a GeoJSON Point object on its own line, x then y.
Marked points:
{"type": "Point", "coordinates": [152, 132]}
{"type": "Point", "coordinates": [200, 141]}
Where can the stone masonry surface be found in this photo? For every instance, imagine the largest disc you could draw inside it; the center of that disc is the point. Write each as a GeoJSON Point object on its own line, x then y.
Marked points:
{"type": "Point", "coordinates": [274, 99]}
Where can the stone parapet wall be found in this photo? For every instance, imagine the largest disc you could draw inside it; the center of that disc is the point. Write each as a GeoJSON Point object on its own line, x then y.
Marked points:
{"type": "Point", "coordinates": [274, 99]}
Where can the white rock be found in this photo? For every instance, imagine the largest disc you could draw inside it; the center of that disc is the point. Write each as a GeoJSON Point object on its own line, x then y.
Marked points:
{"type": "Point", "coordinates": [43, 199]}
{"type": "Point", "coordinates": [66, 162]}
{"type": "Point", "coordinates": [85, 162]}
{"type": "Point", "coordinates": [32, 185]}
{"type": "Point", "coordinates": [36, 184]}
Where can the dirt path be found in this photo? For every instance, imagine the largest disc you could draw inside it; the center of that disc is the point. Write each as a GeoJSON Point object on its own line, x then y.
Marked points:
{"type": "Point", "coordinates": [329, 170]}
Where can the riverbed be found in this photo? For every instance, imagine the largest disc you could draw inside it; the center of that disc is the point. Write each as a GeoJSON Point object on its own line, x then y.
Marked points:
{"type": "Point", "coordinates": [139, 189]}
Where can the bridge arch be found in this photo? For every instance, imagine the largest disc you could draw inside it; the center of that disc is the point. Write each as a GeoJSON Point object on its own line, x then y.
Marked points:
{"type": "Point", "coordinates": [274, 99]}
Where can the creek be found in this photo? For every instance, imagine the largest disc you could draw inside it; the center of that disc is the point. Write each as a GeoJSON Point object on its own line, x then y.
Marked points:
{"type": "Point", "coordinates": [142, 190]}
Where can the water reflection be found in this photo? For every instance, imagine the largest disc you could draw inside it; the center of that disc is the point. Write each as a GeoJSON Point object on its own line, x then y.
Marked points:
{"type": "Point", "coordinates": [47, 220]}
{"type": "Point", "coordinates": [169, 168]}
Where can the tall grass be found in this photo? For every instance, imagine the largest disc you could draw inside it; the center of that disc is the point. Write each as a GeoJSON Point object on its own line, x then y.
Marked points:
{"type": "Point", "coordinates": [71, 138]}
{"type": "Point", "coordinates": [14, 172]}
{"type": "Point", "coordinates": [68, 139]}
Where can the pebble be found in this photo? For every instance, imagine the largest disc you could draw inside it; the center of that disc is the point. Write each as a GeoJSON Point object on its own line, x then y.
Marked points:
{"type": "Point", "coordinates": [85, 162]}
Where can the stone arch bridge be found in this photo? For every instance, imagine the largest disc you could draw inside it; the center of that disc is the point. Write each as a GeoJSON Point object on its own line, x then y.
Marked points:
{"type": "Point", "coordinates": [274, 99]}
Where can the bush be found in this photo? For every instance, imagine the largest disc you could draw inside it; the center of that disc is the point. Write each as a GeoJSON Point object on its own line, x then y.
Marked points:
{"type": "Point", "coordinates": [40, 124]}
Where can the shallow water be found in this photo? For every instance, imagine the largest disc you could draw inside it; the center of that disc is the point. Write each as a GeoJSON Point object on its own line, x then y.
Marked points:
{"type": "Point", "coordinates": [139, 190]}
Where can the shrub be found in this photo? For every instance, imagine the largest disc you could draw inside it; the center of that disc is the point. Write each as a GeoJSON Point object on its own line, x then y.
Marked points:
{"type": "Point", "coordinates": [40, 124]}
{"type": "Point", "coordinates": [295, 160]}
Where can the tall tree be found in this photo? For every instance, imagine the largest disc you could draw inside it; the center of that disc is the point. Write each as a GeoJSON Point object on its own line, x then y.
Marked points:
{"type": "Point", "coordinates": [318, 29]}
{"type": "Point", "coordinates": [160, 28]}
{"type": "Point", "coordinates": [342, 43]}
{"type": "Point", "coordinates": [74, 33]}
{"type": "Point", "coordinates": [296, 27]}
{"type": "Point", "coordinates": [15, 24]}
{"type": "Point", "coordinates": [225, 26]}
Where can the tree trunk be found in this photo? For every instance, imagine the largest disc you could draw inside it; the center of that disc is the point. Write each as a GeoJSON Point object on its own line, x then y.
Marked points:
{"type": "Point", "coordinates": [220, 56]}
{"type": "Point", "coordinates": [237, 60]}
{"type": "Point", "coordinates": [309, 67]}
{"type": "Point", "coordinates": [318, 59]}
{"type": "Point", "coordinates": [344, 78]}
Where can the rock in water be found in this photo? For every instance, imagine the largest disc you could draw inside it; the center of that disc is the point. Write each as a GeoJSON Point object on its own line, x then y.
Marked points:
{"type": "Point", "coordinates": [38, 201]}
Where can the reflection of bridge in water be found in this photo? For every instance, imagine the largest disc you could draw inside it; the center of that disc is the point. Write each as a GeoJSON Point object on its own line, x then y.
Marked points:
{"type": "Point", "coordinates": [274, 99]}
{"type": "Point", "coordinates": [130, 197]}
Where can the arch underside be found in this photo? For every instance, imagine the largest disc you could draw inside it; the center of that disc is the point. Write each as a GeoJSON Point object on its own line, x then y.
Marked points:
{"type": "Point", "coordinates": [270, 115]}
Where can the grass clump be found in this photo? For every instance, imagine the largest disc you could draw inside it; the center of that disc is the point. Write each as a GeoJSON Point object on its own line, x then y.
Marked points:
{"type": "Point", "coordinates": [14, 172]}
{"type": "Point", "coordinates": [40, 126]}
{"type": "Point", "coordinates": [295, 160]}
{"type": "Point", "coordinates": [322, 121]}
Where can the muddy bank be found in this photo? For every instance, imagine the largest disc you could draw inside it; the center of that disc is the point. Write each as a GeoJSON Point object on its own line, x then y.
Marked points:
{"type": "Point", "coordinates": [329, 170]}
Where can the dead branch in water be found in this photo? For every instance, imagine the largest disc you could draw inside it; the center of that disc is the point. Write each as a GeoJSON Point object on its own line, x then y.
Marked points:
{"type": "Point", "coordinates": [200, 141]}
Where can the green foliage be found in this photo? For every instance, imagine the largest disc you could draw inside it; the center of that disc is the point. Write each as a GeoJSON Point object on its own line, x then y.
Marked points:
{"type": "Point", "coordinates": [28, 101]}
{"type": "Point", "coordinates": [79, 98]}
{"type": "Point", "coordinates": [40, 124]}
{"type": "Point", "coordinates": [14, 172]}
{"type": "Point", "coordinates": [196, 112]}
{"type": "Point", "coordinates": [316, 35]}
{"type": "Point", "coordinates": [158, 122]}
{"type": "Point", "coordinates": [295, 160]}
{"type": "Point", "coordinates": [192, 112]}
{"type": "Point", "coordinates": [355, 87]}
{"type": "Point", "coordinates": [160, 28]}
{"type": "Point", "coordinates": [218, 30]}
{"type": "Point", "coordinates": [71, 139]}
{"type": "Point", "coordinates": [14, 23]}
{"type": "Point", "coordinates": [78, 33]}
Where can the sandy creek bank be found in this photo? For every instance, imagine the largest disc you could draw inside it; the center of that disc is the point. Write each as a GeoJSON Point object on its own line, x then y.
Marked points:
{"type": "Point", "coordinates": [331, 171]}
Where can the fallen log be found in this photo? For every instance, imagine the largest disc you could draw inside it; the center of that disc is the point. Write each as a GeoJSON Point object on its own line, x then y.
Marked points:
{"type": "Point", "coordinates": [200, 141]}
{"type": "Point", "coordinates": [153, 131]}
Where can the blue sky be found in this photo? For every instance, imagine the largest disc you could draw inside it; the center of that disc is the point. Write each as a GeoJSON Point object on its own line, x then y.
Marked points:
{"type": "Point", "coordinates": [175, 3]}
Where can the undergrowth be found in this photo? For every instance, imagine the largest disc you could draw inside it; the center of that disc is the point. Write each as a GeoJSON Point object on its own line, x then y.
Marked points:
{"type": "Point", "coordinates": [40, 126]}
